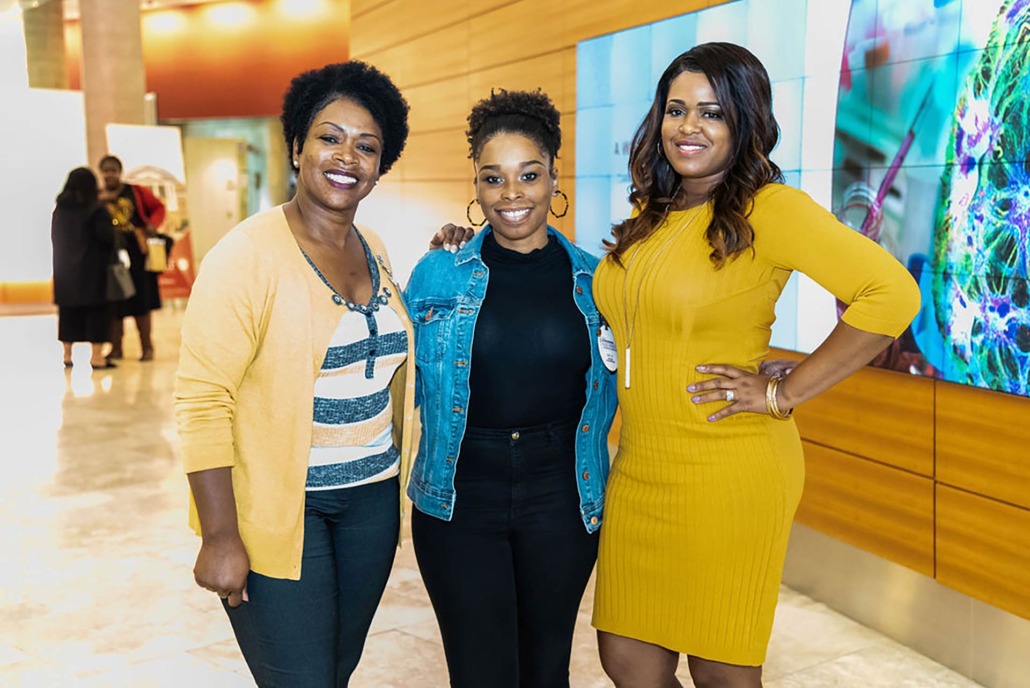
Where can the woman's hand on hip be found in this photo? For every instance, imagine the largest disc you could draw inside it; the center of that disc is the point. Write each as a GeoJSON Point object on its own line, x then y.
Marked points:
{"type": "Point", "coordinates": [222, 567]}
{"type": "Point", "coordinates": [741, 390]}
{"type": "Point", "coordinates": [451, 238]}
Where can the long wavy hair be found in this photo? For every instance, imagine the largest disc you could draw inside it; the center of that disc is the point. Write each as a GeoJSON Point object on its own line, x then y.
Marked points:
{"type": "Point", "coordinates": [742, 88]}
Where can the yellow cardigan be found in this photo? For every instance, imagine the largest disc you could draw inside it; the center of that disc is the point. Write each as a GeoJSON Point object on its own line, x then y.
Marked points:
{"type": "Point", "coordinates": [256, 330]}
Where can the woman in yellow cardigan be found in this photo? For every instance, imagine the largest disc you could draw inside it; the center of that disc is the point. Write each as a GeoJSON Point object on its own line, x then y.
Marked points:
{"type": "Point", "coordinates": [709, 469]}
{"type": "Point", "coordinates": [294, 395]}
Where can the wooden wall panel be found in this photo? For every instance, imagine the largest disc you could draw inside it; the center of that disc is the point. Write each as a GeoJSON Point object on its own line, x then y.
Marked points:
{"type": "Point", "coordinates": [589, 18]}
{"type": "Point", "coordinates": [548, 73]}
{"type": "Point", "coordinates": [518, 31]}
{"type": "Point", "coordinates": [983, 549]}
{"type": "Point", "coordinates": [879, 414]}
{"type": "Point", "coordinates": [982, 440]}
{"type": "Point", "coordinates": [430, 58]}
{"type": "Point", "coordinates": [437, 156]}
{"type": "Point", "coordinates": [883, 510]}
{"type": "Point", "coordinates": [439, 105]}
{"type": "Point", "coordinates": [360, 7]}
{"type": "Point", "coordinates": [397, 22]}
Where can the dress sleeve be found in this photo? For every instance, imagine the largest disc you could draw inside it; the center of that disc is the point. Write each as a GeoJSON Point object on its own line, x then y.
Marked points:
{"type": "Point", "coordinates": [794, 232]}
{"type": "Point", "coordinates": [220, 337]}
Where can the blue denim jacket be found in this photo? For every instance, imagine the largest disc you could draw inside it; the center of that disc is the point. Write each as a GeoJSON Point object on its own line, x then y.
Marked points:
{"type": "Point", "coordinates": [444, 295]}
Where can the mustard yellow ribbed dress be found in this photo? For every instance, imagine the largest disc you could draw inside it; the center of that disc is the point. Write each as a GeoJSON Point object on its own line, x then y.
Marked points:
{"type": "Point", "coordinates": [697, 514]}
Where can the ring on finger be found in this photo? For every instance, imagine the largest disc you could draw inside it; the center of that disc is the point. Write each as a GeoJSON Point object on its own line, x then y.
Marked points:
{"type": "Point", "coordinates": [730, 395]}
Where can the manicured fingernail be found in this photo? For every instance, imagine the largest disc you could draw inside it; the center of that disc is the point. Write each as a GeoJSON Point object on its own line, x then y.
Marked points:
{"type": "Point", "coordinates": [702, 368]}
{"type": "Point", "coordinates": [695, 399]}
{"type": "Point", "coordinates": [691, 388]}
{"type": "Point", "coordinates": [711, 418]}
{"type": "Point", "coordinates": [462, 244]}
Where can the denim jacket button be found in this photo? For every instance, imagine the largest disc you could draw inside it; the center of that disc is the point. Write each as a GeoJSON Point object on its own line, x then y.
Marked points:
{"type": "Point", "coordinates": [586, 427]}
{"type": "Point", "coordinates": [593, 520]}
{"type": "Point", "coordinates": [445, 507]}
{"type": "Point", "coordinates": [579, 290]}
{"type": "Point", "coordinates": [586, 475]}
{"type": "Point", "coordinates": [515, 435]}
{"type": "Point", "coordinates": [596, 384]}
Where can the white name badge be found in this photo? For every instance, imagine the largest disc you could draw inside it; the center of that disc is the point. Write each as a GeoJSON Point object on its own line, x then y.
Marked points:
{"type": "Point", "coordinates": [606, 347]}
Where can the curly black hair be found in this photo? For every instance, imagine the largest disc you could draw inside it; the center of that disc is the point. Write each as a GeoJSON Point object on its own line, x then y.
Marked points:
{"type": "Point", "coordinates": [311, 91]}
{"type": "Point", "coordinates": [530, 113]}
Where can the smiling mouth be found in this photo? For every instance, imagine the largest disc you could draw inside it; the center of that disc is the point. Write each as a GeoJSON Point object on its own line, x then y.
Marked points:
{"type": "Point", "coordinates": [341, 179]}
{"type": "Point", "coordinates": [514, 215]}
{"type": "Point", "coordinates": [690, 147]}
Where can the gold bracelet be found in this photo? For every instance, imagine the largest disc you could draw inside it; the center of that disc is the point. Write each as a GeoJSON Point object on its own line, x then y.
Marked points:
{"type": "Point", "coordinates": [771, 403]}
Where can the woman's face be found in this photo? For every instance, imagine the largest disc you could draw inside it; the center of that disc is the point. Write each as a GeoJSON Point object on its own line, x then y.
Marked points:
{"type": "Point", "coordinates": [112, 174]}
{"type": "Point", "coordinates": [695, 137]}
{"type": "Point", "coordinates": [515, 183]}
{"type": "Point", "coordinates": [339, 162]}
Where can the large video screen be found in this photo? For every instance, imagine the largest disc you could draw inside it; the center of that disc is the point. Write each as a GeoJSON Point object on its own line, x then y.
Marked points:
{"type": "Point", "coordinates": [909, 119]}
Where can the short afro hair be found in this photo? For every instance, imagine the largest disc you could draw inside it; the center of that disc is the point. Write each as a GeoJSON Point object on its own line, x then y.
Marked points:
{"type": "Point", "coordinates": [530, 113]}
{"type": "Point", "coordinates": [311, 91]}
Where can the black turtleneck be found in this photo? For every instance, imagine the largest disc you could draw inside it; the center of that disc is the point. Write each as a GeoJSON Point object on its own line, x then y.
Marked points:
{"type": "Point", "coordinates": [531, 350]}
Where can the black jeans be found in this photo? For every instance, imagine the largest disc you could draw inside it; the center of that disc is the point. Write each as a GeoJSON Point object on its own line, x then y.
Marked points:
{"type": "Point", "coordinates": [507, 574]}
{"type": "Point", "coordinates": [310, 633]}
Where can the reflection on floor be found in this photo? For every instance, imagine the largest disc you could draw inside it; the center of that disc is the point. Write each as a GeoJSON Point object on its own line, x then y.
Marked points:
{"type": "Point", "coordinates": [97, 591]}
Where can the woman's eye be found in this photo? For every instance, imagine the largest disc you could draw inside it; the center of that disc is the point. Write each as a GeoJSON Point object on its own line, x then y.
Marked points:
{"type": "Point", "coordinates": [367, 149]}
{"type": "Point", "coordinates": [712, 115]}
{"type": "Point", "coordinates": [328, 139]}
{"type": "Point", "coordinates": [530, 176]}
{"type": "Point", "coordinates": [674, 112]}
{"type": "Point", "coordinates": [493, 179]}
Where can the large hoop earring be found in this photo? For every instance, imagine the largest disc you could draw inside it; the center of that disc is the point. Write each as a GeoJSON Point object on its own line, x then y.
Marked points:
{"type": "Point", "coordinates": [468, 214]}
{"type": "Point", "coordinates": [564, 212]}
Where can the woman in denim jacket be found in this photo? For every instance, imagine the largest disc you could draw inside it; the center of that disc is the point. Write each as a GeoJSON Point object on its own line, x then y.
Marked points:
{"type": "Point", "coordinates": [516, 403]}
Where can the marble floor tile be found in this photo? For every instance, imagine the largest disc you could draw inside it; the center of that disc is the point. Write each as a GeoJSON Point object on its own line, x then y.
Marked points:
{"type": "Point", "coordinates": [97, 588]}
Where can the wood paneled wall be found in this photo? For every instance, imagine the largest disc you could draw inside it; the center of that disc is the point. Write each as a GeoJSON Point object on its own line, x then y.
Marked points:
{"type": "Point", "coordinates": [930, 475]}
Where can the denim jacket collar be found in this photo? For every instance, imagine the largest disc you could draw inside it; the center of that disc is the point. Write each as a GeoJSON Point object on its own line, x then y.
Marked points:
{"type": "Point", "coordinates": [474, 250]}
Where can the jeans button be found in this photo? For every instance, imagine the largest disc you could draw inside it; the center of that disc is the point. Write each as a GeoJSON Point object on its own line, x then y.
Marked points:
{"type": "Point", "coordinates": [515, 435]}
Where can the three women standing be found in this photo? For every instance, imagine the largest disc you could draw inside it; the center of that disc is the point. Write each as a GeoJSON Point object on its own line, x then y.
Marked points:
{"type": "Point", "coordinates": [516, 404]}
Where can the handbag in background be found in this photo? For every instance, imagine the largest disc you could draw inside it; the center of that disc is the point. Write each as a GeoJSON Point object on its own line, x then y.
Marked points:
{"type": "Point", "coordinates": [119, 282]}
{"type": "Point", "coordinates": [157, 254]}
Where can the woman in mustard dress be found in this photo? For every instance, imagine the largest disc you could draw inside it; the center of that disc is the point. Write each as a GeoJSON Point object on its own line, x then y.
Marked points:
{"type": "Point", "coordinates": [709, 469]}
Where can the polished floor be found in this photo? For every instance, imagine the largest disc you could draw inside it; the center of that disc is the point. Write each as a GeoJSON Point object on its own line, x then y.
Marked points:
{"type": "Point", "coordinates": [96, 587]}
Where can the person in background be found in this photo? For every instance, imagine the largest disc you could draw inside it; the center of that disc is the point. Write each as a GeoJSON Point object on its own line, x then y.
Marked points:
{"type": "Point", "coordinates": [83, 237]}
{"type": "Point", "coordinates": [516, 403]}
{"type": "Point", "coordinates": [138, 214]}
{"type": "Point", "coordinates": [295, 394]}
{"type": "Point", "coordinates": [709, 469]}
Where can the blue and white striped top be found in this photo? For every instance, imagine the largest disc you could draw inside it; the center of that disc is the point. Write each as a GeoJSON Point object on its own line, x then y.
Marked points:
{"type": "Point", "coordinates": [352, 439]}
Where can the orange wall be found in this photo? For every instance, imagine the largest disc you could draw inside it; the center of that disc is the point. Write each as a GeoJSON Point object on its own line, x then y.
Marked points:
{"type": "Point", "coordinates": [231, 59]}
